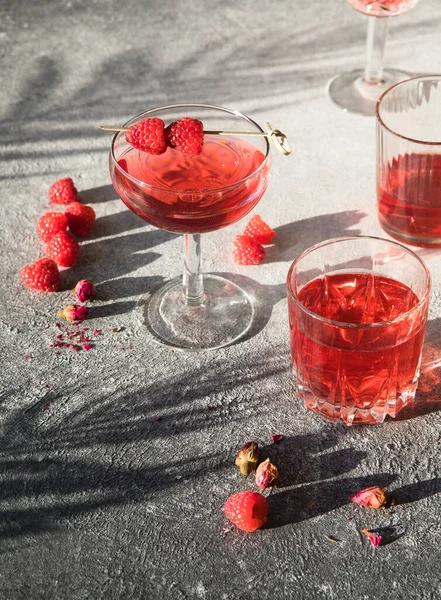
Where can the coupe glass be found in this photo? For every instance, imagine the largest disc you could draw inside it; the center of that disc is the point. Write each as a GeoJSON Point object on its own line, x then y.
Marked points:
{"type": "Point", "coordinates": [358, 91]}
{"type": "Point", "coordinates": [193, 195]}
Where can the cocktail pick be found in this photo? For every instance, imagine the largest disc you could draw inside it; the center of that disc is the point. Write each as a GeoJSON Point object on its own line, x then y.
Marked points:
{"type": "Point", "coordinates": [275, 136]}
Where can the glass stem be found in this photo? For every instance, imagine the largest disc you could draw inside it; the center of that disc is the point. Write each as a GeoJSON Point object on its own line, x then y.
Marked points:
{"type": "Point", "coordinates": [378, 28]}
{"type": "Point", "coordinates": [193, 285]}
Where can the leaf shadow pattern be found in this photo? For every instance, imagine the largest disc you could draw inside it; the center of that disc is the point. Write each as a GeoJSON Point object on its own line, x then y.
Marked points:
{"type": "Point", "coordinates": [54, 467]}
{"type": "Point", "coordinates": [55, 489]}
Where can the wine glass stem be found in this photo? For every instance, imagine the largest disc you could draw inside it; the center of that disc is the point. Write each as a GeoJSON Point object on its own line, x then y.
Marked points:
{"type": "Point", "coordinates": [193, 285]}
{"type": "Point", "coordinates": [378, 28]}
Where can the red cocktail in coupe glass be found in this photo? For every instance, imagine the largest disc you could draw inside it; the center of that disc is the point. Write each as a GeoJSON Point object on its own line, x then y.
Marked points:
{"type": "Point", "coordinates": [357, 313]}
{"type": "Point", "coordinates": [193, 195]}
{"type": "Point", "coordinates": [358, 91]}
{"type": "Point", "coordinates": [409, 161]}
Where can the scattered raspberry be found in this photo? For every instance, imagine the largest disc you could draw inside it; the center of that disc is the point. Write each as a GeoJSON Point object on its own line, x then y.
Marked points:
{"type": "Point", "coordinates": [63, 191]}
{"type": "Point", "coordinates": [42, 275]}
{"type": "Point", "coordinates": [148, 136]}
{"type": "Point", "coordinates": [247, 510]}
{"type": "Point", "coordinates": [259, 231]}
{"type": "Point", "coordinates": [186, 135]}
{"type": "Point", "coordinates": [49, 224]}
{"type": "Point", "coordinates": [80, 218]}
{"type": "Point", "coordinates": [246, 251]}
{"type": "Point", "coordinates": [63, 248]}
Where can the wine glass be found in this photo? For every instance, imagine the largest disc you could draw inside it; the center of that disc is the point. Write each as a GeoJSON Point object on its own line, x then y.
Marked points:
{"type": "Point", "coordinates": [358, 91]}
{"type": "Point", "coordinates": [193, 195]}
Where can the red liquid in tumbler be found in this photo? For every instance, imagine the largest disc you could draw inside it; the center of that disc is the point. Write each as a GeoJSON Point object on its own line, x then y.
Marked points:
{"type": "Point", "coordinates": [186, 200]}
{"type": "Point", "coordinates": [409, 200]}
{"type": "Point", "coordinates": [357, 374]}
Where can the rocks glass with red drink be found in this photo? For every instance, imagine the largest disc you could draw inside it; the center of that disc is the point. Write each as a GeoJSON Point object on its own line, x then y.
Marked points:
{"type": "Point", "coordinates": [357, 313]}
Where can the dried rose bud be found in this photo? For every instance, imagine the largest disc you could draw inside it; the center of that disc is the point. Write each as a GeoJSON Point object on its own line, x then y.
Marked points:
{"type": "Point", "coordinates": [374, 539]}
{"type": "Point", "coordinates": [267, 475]}
{"type": "Point", "coordinates": [247, 458]}
{"type": "Point", "coordinates": [73, 312]}
{"type": "Point", "coordinates": [85, 290]}
{"type": "Point", "coordinates": [373, 497]}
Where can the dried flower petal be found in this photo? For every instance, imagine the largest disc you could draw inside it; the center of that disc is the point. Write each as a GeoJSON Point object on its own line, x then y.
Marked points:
{"type": "Point", "coordinates": [372, 497]}
{"type": "Point", "coordinates": [267, 475]}
{"type": "Point", "coordinates": [277, 438]}
{"type": "Point", "coordinates": [85, 290]}
{"type": "Point", "coordinates": [73, 312]}
{"type": "Point", "coordinates": [247, 457]}
{"type": "Point", "coordinates": [374, 539]}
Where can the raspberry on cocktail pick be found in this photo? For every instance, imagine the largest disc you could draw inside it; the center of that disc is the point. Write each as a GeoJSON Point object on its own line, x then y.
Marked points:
{"type": "Point", "coordinates": [148, 136]}
{"type": "Point", "coordinates": [186, 135]}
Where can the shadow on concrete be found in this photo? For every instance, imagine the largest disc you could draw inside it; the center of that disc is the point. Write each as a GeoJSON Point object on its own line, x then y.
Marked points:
{"type": "Point", "coordinates": [51, 473]}
{"type": "Point", "coordinates": [311, 464]}
{"type": "Point", "coordinates": [417, 491]}
{"type": "Point", "coordinates": [294, 238]}
{"type": "Point", "coordinates": [309, 501]}
{"type": "Point", "coordinates": [389, 534]}
{"type": "Point", "coordinates": [428, 395]}
{"type": "Point", "coordinates": [102, 193]}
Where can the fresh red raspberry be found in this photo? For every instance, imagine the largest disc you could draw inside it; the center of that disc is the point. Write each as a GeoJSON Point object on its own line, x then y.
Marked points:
{"type": "Point", "coordinates": [247, 510]}
{"type": "Point", "coordinates": [186, 135]}
{"type": "Point", "coordinates": [63, 191]}
{"type": "Point", "coordinates": [49, 224]}
{"type": "Point", "coordinates": [81, 218]}
{"type": "Point", "coordinates": [63, 248]}
{"type": "Point", "coordinates": [259, 231]}
{"type": "Point", "coordinates": [246, 251]}
{"type": "Point", "coordinates": [42, 275]}
{"type": "Point", "coordinates": [148, 136]}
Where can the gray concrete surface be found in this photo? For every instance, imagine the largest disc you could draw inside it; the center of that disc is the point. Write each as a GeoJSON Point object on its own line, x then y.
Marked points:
{"type": "Point", "coordinates": [115, 463]}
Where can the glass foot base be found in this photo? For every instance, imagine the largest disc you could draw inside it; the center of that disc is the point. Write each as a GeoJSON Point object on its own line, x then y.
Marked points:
{"type": "Point", "coordinates": [225, 315]}
{"type": "Point", "coordinates": [352, 93]}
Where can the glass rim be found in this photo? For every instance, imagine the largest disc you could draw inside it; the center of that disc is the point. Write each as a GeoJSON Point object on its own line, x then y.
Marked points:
{"type": "Point", "coordinates": [381, 122]}
{"type": "Point", "coordinates": [230, 111]}
{"type": "Point", "coordinates": [401, 317]}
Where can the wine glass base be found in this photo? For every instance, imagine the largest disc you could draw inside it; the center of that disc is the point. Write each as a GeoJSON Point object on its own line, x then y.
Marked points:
{"type": "Point", "coordinates": [352, 93]}
{"type": "Point", "coordinates": [225, 315]}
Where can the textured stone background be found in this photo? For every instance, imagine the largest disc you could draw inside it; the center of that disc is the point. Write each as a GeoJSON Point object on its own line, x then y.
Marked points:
{"type": "Point", "coordinates": [98, 497]}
